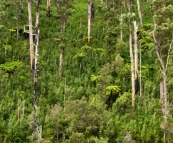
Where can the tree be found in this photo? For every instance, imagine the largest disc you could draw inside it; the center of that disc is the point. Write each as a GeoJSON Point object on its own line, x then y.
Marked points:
{"type": "Point", "coordinates": [163, 40]}
{"type": "Point", "coordinates": [48, 8]}
{"type": "Point", "coordinates": [89, 19]}
{"type": "Point", "coordinates": [31, 35]}
{"type": "Point", "coordinates": [62, 11]}
{"type": "Point", "coordinates": [139, 12]}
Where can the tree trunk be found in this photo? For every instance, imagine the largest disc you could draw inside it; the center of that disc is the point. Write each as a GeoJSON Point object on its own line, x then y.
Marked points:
{"type": "Point", "coordinates": [132, 65]}
{"type": "Point", "coordinates": [165, 97]}
{"type": "Point", "coordinates": [163, 84]}
{"type": "Point", "coordinates": [60, 65]}
{"type": "Point", "coordinates": [121, 23]}
{"type": "Point", "coordinates": [89, 19]}
{"type": "Point", "coordinates": [63, 24]}
{"type": "Point", "coordinates": [131, 58]}
{"type": "Point", "coordinates": [48, 8]}
{"type": "Point", "coordinates": [136, 57]}
{"type": "Point", "coordinates": [161, 91]}
{"type": "Point", "coordinates": [139, 13]}
{"type": "Point", "coordinates": [31, 36]}
{"type": "Point", "coordinates": [37, 14]}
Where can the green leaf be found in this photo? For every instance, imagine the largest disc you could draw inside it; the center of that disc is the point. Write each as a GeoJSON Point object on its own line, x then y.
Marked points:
{"type": "Point", "coordinates": [113, 88]}
{"type": "Point", "coordinates": [10, 66]}
{"type": "Point", "coordinates": [8, 47]}
{"type": "Point", "coordinates": [2, 26]}
{"type": "Point", "coordinates": [94, 77]}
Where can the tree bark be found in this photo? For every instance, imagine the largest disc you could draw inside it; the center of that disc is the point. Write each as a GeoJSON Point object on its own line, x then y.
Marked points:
{"type": "Point", "coordinates": [139, 13]}
{"type": "Point", "coordinates": [136, 56]}
{"type": "Point", "coordinates": [89, 19]}
{"type": "Point", "coordinates": [163, 84]}
{"type": "Point", "coordinates": [48, 8]}
{"type": "Point", "coordinates": [60, 65]}
{"type": "Point", "coordinates": [63, 24]}
{"type": "Point", "coordinates": [37, 13]}
{"type": "Point", "coordinates": [31, 36]}
{"type": "Point", "coordinates": [132, 65]}
{"type": "Point", "coordinates": [131, 58]}
{"type": "Point", "coordinates": [121, 23]}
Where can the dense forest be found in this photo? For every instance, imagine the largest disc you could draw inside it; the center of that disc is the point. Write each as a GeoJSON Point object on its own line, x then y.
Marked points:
{"type": "Point", "coordinates": [86, 71]}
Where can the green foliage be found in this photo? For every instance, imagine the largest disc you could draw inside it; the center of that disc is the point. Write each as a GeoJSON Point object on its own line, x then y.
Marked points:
{"type": "Point", "coordinates": [77, 109]}
{"type": "Point", "coordinates": [10, 66]}
{"type": "Point", "coordinates": [112, 89]}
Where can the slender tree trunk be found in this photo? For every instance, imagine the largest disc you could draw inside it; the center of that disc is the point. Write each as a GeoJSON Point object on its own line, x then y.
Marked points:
{"type": "Point", "coordinates": [121, 27]}
{"type": "Point", "coordinates": [136, 57]}
{"type": "Point", "coordinates": [163, 84]}
{"type": "Point", "coordinates": [165, 96]}
{"type": "Point", "coordinates": [132, 65]}
{"type": "Point", "coordinates": [31, 36]}
{"type": "Point", "coordinates": [60, 65]}
{"type": "Point", "coordinates": [161, 91]}
{"type": "Point", "coordinates": [139, 13]}
{"type": "Point", "coordinates": [131, 58]}
{"type": "Point", "coordinates": [37, 14]}
{"type": "Point", "coordinates": [136, 48]}
{"type": "Point", "coordinates": [48, 8]}
{"type": "Point", "coordinates": [140, 73]}
{"type": "Point", "coordinates": [89, 19]}
{"type": "Point", "coordinates": [63, 24]}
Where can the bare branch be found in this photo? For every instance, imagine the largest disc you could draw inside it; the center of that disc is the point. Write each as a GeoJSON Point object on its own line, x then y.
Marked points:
{"type": "Point", "coordinates": [157, 48]}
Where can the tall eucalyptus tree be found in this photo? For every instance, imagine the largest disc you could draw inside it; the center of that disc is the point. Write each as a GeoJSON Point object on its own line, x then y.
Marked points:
{"type": "Point", "coordinates": [163, 40]}
{"type": "Point", "coordinates": [31, 35]}
{"type": "Point", "coordinates": [48, 8]}
{"type": "Point", "coordinates": [62, 12]}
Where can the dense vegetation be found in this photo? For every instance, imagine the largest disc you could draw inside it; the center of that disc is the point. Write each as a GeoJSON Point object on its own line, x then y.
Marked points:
{"type": "Point", "coordinates": [92, 103]}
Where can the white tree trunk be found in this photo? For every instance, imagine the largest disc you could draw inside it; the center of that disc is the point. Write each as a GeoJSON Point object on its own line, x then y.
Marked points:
{"type": "Point", "coordinates": [60, 65]}
{"type": "Point", "coordinates": [136, 47]}
{"type": "Point", "coordinates": [121, 26]}
{"type": "Point", "coordinates": [48, 8]}
{"type": "Point", "coordinates": [131, 58]}
{"type": "Point", "coordinates": [163, 84]}
{"type": "Point", "coordinates": [89, 19]}
{"type": "Point", "coordinates": [37, 14]}
{"type": "Point", "coordinates": [31, 36]}
{"type": "Point", "coordinates": [139, 13]}
{"type": "Point", "coordinates": [63, 24]}
{"type": "Point", "coordinates": [132, 65]}
{"type": "Point", "coordinates": [136, 57]}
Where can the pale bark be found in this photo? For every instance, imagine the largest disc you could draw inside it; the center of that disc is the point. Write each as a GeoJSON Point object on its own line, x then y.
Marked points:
{"type": "Point", "coordinates": [131, 58]}
{"type": "Point", "coordinates": [60, 65]}
{"type": "Point", "coordinates": [31, 36]}
{"type": "Point", "coordinates": [121, 27]}
{"type": "Point", "coordinates": [63, 24]}
{"type": "Point", "coordinates": [163, 69]}
{"type": "Point", "coordinates": [48, 8]}
{"type": "Point", "coordinates": [37, 14]}
{"type": "Point", "coordinates": [136, 47]}
{"type": "Point", "coordinates": [89, 19]}
{"type": "Point", "coordinates": [140, 73]}
{"type": "Point", "coordinates": [132, 65]}
{"type": "Point", "coordinates": [139, 13]}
